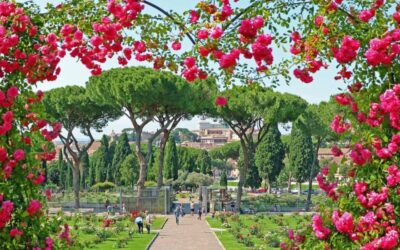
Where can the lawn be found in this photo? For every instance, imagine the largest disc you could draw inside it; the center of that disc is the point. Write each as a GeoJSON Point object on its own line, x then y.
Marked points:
{"type": "Point", "coordinates": [304, 186]}
{"type": "Point", "coordinates": [232, 183]}
{"type": "Point", "coordinates": [246, 232]}
{"type": "Point", "coordinates": [90, 232]}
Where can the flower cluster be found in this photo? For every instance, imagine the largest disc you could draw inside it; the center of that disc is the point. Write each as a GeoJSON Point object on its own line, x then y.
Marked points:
{"type": "Point", "coordinates": [338, 125]}
{"type": "Point", "coordinates": [249, 28]}
{"type": "Point", "coordinates": [192, 72]}
{"type": "Point", "coordinates": [6, 210]}
{"type": "Point", "coordinates": [295, 241]}
{"type": "Point", "coordinates": [65, 235]}
{"type": "Point", "coordinates": [107, 39]}
{"type": "Point", "coordinates": [387, 242]}
{"type": "Point", "coordinates": [15, 232]}
{"type": "Point", "coordinates": [366, 15]}
{"type": "Point", "coordinates": [221, 101]}
{"type": "Point", "coordinates": [343, 223]}
{"type": "Point", "coordinates": [348, 50]}
{"type": "Point", "coordinates": [33, 207]}
{"type": "Point", "coordinates": [360, 155]}
{"type": "Point", "coordinates": [319, 229]}
{"type": "Point", "coordinates": [328, 188]}
{"type": "Point", "coordinates": [393, 177]}
{"type": "Point", "coordinates": [7, 99]}
{"type": "Point", "coordinates": [383, 50]}
{"type": "Point", "coordinates": [107, 223]}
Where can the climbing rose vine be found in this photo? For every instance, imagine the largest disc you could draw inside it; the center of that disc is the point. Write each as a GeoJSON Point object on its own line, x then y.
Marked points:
{"type": "Point", "coordinates": [363, 209]}
{"type": "Point", "coordinates": [362, 212]}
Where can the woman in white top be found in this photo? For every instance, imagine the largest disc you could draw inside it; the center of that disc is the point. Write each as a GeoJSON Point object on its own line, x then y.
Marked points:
{"type": "Point", "coordinates": [149, 220]}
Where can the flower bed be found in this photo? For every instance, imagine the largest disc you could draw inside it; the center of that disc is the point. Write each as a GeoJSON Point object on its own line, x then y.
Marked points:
{"type": "Point", "coordinates": [97, 232]}
{"type": "Point", "coordinates": [254, 231]}
{"type": "Point", "coordinates": [283, 203]}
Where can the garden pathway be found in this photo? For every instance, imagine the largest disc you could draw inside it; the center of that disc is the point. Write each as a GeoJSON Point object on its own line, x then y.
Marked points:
{"type": "Point", "coordinates": [190, 234]}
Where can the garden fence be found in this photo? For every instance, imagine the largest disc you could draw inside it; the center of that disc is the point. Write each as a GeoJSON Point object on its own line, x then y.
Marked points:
{"type": "Point", "coordinates": [153, 200]}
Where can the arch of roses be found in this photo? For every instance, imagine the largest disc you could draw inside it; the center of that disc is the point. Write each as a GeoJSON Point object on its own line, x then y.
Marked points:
{"type": "Point", "coordinates": [236, 44]}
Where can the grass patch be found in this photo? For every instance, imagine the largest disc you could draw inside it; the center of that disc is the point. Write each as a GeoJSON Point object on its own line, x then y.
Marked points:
{"type": "Point", "coordinates": [232, 183]}
{"type": "Point", "coordinates": [304, 187]}
{"type": "Point", "coordinates": [138, 242]}
{"type": "Point", "coordinates": [229, 241]}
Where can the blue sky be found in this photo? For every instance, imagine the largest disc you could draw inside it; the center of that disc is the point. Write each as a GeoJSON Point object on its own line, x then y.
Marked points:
{"type": "Point", "coordinates": [74, 73]}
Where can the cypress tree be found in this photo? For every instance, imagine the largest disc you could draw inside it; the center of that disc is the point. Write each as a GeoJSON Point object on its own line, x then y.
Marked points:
{"type": "Point", "coordinates": [204, 162]}
{"type": "Point", "coordinates": [223, 181]}
{"type": "Point", "coordinates": [152, 171]}
{"type": "Point", "coordinates": [60, 166]}
{"type": "Point", "coordinates": [253, 179]}
{"type": "Point", "coordinates": [110, 158]}
{"type": "Point", "coordinates": [92, 174]}
{"type": "Point", "coordinates": [84, 169]}
{"type": "Point", "coordinates": [122, 150]}
{"type": "Point", "coordinates": [129, 170]}
{"type": "Point", "coordinates": [171, 160]}
{"type": "Point", "coordinates": [101, 161]}
{"type": "Point", "coordinates": [269, 156]}
{"type": "Point", "coordinates": [68, 179]}
{"type": "Point", "coordinates": [301, 154]}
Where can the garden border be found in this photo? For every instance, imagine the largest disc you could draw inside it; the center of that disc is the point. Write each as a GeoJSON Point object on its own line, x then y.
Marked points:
{"type": "Point", "coordinates": [215, 235]}
{"type": "Point", "coordinates": [152, 241]}
{"type": "Point", "coordinates": [156, 236]}
{"type": "Point", "coordinates": [165, 222]}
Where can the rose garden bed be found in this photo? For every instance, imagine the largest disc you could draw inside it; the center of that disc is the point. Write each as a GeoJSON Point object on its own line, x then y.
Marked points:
{"type": "Point", "coordinates": [98, 232]}
{"type": "Point", "coordinates": [261, 232]}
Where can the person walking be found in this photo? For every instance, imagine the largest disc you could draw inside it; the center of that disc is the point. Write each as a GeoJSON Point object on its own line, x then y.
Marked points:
{"type": "Point", "coordinates": [177, 214]}
{"type": "Point", "coordinates": [192, 208]}
{"type": "Point", "coordinates": [139, 223]}
{"type": "Point", "coordinates": [199, 212]}
{"type": "Point", "coordinates": [148, 220]}
{"type": "Point", "coordinates": [123, 210]}
{"type": "Point", "coordinates": [182, 210]}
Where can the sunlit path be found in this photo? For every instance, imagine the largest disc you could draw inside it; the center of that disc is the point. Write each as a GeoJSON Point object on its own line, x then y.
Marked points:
{"type": "Point", "coordinates": [190, 234]}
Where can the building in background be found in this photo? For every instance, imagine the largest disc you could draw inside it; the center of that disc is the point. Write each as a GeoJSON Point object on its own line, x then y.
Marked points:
{"type": "Point", "coordinates": [211, 135]}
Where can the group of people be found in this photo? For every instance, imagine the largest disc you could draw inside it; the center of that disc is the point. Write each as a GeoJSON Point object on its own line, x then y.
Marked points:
{"type": "Point", "coordinates": [180, 212]}
{"type": "Point", "coordinates": [112, 209]}
{"type": "Point", "coordinates": [148, 220]}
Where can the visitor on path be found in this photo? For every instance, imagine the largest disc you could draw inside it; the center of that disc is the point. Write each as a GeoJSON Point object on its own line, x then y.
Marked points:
{"type": "Point", "coordinates": [139, 223]}
{"type": "Point", "coordinates": [192, 208]}
{"type": "Point", "coordinates": [148, 220]}
{"type": "Point", "coordinates": [106, 205]}
{"type": "Point", "coordinates": [182, 210]}
{"type": "Point", "coordinates": [123, 211]}
{"type": "Point", "coordinates": [177, 214]}
{"type": "Point", "coordinates": [109, 209]}
{"type": "Point", "coordinates": [199, 212]}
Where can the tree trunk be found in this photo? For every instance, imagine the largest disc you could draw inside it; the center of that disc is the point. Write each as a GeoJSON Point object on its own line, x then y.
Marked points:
{"type": "Point", "coordinates": [268, 185]}
{"type": "Point", "coordinates": [163, 143]}
{"type": "Point", "coordinates": [76, 183]}
{"type": "Point", "coordinates": [142, 176]}
{"type": "Point", "coordinates": [289, 188]}
{"type": "Point", "coordinates": [308, 204]}
{"type": "Point", "coordinates": [239, 192]}
{"type": "Point", "coordinates": [299, 188]}
{"type": "Point", "coordinates": [242, 175]}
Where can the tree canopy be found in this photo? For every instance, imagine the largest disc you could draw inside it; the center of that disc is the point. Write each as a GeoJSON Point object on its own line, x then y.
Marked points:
{"type": "Point", "coordinates": [255, 108]}
{"type": "Point", "coordinates": [75, 110]}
